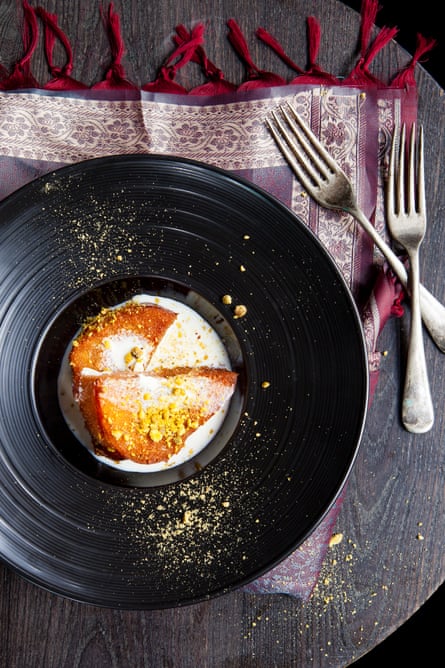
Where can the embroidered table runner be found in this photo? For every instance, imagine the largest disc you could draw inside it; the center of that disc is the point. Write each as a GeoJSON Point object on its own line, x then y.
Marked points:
{"type": "Point", "coordinates": [65, 121]}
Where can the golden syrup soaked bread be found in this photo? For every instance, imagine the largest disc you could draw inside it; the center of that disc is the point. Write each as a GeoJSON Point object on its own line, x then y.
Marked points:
{"type": "Point", "coordinates": [119, 339]}
{"type": "Point", "coordinates": [147, 417]}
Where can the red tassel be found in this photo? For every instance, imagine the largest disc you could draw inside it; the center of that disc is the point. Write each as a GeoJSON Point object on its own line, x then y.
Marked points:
{"type": "Point", "coordinates": [115, 76]}
{"type": "Point", "coordinates": [61, 75]}
{"type": "Point", "coordinates": [405, 77]}
{"type": "Point", "coordinates": [385, 35]}
{"type": "Point", "coordinates": [216, 83]}
{"type": "Point", "coordinates": [369, 11]}
{"type": "Point", "coordinates": [164, 84]}
{"type": "Point", "coordinates": [165, 81]}
{"type": "Point", "coordinates": [389, 296]}
{"type": "Point", "coordinates": [361, 75]}
{"type": "Point", "coordinates": [397, 309]}
{"type": "Point", "coordinates": [268, 39]}
{"type": "Point", "coordinates": [21, 76]}
{"type": "Point", "coordinates": [314, 37]}
{"type": "Point", "coordinates": [256, 78]}
{"type": "Point", "coordinates": [314, 73]}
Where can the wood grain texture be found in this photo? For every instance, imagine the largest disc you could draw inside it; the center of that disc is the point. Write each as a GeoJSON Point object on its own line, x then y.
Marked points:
{"type": "Point", "coordinates": [381, 572]}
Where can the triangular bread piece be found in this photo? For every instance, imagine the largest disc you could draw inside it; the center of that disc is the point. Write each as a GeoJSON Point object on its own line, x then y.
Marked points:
{"type": "Point", "coordinates": [119, 339]}
{"type": "Point", "coordinates": [147, 417]}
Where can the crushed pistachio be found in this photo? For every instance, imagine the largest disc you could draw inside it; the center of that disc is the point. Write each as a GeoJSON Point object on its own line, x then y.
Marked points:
{"type": "Point", "coordinates": [133, 355]}
{"type": "Point", "coordinates": [239, 311]}
{"type": "Point", "coordinates": [335, 539]}
{"type": "Point", "coordinates": [168, 424]}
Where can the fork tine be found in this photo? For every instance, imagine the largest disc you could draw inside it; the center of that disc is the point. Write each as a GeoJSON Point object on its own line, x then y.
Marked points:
{"type": "Point", "coordinates": [400, 177]}
{"type": "Point", "coordinates": [421, 204]}
{"type": "Point", "coordinates": [306, 174]}
{"type": "Point", "coordinates": [311, 149]}
{"type": "Point", "coordinates": [413, 200]}
{"type": "Point", "coordinates": [390, 190]}
{"type": "Point", "coordinates": [313, 146]}
{"type": "Point", "coordinates": [412, 172]}
{"type": "Point", "coordinates": [284, 147]}
{"type": "Point", "coordinates": [310, 161]}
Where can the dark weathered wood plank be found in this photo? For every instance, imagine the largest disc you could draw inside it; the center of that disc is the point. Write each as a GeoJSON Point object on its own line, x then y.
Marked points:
{"type": "Point", "coordinates": [381, 572]}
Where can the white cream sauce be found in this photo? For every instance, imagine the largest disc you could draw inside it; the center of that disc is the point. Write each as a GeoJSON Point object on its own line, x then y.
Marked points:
{"type": "Point", "coordinates": [189, 341]}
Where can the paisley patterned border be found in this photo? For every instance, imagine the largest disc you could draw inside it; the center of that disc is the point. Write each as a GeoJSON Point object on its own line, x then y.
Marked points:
{"type": "Point", "coordinates": [230, 135]}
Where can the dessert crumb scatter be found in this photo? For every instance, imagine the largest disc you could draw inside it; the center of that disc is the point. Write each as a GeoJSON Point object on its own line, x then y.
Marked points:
{"type": "Point", "coordinates": [239, 311]}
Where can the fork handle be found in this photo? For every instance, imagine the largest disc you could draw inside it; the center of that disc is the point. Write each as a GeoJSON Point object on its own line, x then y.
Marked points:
{"type": "Point", "coordinates": [432, 311]}
{"type": "Point", "coordinates": [417, 406]}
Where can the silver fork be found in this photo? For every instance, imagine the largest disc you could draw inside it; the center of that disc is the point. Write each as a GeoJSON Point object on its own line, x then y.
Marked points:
{"type": "Point", "coordinates": [328, 185]}
{"type": "Point", "coordinates": [406, 217]}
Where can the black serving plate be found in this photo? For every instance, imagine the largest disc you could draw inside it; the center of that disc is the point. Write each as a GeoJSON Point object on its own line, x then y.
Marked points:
{"type": "Point", "coordinates": [98, 232]}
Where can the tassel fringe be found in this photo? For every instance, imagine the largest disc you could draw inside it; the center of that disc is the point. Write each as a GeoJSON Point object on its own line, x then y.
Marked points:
{"type": "Point", "coordinates": [188, 47]}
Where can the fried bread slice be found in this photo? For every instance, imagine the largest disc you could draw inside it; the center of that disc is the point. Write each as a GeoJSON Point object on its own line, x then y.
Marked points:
{"type": "Point", "coordinates": [147, 417]}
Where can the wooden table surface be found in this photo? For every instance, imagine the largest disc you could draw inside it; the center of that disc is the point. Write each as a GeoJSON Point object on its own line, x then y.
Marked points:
{"type": "Point", "coordinates": [393, 521]}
